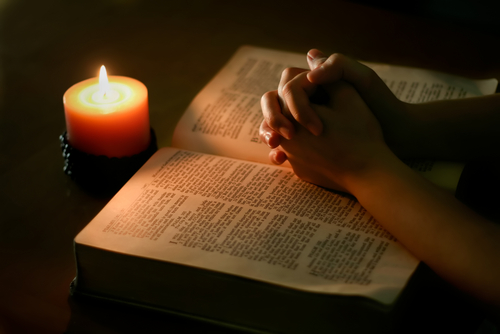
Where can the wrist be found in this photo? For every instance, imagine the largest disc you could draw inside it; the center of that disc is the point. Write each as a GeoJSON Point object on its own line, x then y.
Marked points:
{"type": "Point", "coordinates": [403, 130]}
{"type": "Point", "coordinates": [382, 164]}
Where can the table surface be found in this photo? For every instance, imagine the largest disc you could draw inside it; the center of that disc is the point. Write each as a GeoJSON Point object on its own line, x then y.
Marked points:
{"type": "Point", "coordinates": [174, 48]}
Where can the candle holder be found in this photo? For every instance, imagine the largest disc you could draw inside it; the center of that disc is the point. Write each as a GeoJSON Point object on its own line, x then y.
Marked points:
{"type": "Point", "coordinates": [101, 174]}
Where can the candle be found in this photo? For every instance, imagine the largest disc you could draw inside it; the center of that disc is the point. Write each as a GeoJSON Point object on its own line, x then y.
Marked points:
{"type": "Point", "coordinates": [108, 117]}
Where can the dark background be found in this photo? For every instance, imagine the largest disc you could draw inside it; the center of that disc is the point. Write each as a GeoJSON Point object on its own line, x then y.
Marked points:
{"type": "Point", "coordinates": [174, 48]}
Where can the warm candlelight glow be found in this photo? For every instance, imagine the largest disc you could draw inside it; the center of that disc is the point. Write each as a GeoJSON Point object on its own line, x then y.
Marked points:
{"type": "Point", "coordinates": [103, 81]}
{"type": "Point", "coordinates": [105, 92]}
{"type": "Point", "coordinates": [108, 116]}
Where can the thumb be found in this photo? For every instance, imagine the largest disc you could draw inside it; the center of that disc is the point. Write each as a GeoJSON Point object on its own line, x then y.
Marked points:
{"type": "Point", "coordinates": [315, 58]}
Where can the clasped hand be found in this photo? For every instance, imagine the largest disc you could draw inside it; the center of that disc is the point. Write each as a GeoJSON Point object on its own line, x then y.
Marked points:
{"type": "Point", "coordinates": [321, 120]}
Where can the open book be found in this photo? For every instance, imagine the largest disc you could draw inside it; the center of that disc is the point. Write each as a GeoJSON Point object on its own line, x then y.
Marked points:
{"type": "Point", "coordinates": [202, 228]}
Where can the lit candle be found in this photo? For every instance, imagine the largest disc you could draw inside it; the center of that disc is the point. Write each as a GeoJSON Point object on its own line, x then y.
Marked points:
{"type": "Point", "coordinates": [108, 118]}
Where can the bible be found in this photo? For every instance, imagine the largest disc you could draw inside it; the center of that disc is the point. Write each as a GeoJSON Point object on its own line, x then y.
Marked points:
{"type": "Point", "coordinates": [209, 229]}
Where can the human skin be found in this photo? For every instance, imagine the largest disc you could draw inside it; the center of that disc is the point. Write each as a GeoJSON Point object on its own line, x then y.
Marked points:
{"type": "Point", "coordinates": [362, 133]}
{"type": "Point", "coordinates": [460, 130]}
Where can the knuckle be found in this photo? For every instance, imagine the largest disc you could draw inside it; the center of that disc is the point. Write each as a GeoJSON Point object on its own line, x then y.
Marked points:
{"type": "Point", "coordinates": [266, 97]}
{"type": "Point", "coordinates": [267, 101]}
{"type": "Point", "coordinates": [287, 72]}
{"type": "Point", "coordinates": [336, 58]}
{"type": "Point", "coordinates": [262, 126]}
{"type": "Point", "coordinates": [273, 122]}
{"type": "Point", "coordinates": [290, 73]}
{"type": "Point", "coordinates": [287, 89]}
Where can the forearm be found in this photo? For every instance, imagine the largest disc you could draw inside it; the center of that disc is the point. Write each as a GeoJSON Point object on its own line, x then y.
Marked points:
{"type": "Point", "coordinates": [459, 245]}
{"type": "Point", "coordinates": [462, 129]}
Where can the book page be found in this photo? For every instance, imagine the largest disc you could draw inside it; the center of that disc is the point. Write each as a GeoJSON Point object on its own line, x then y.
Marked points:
{"type": "Point", "coordinates": [224, 117]}
{"type": "Point", "coordinates": [414, 85]}
{"type": "Point", "coordinates": [251, 220]}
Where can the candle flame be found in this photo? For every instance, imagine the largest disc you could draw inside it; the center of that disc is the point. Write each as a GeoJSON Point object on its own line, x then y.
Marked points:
{"type": "Point", "coordinates": [103, 81]}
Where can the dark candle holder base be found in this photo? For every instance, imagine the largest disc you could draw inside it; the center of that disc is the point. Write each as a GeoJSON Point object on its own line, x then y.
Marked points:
{"type": "Point", "coordinates": [100, 174]}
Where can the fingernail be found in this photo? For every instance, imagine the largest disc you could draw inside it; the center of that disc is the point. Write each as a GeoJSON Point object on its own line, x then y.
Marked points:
{"type": "Point", "coordinates": [277, 157]}
{"type": "Point", "coordinates": [267, 137]}
{"type": "Point", "coordinates": [285, 132]}
{"type": "Point", "coordinates": [273, 156]}
{"type": "Point", "coordinates": [314, 53]}
{"type": "Point", "coordinates": [280, 158]}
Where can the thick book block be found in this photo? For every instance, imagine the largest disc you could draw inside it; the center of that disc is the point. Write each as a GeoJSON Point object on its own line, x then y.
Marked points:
{"type": "Point", "coordinates": [211, 230]}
